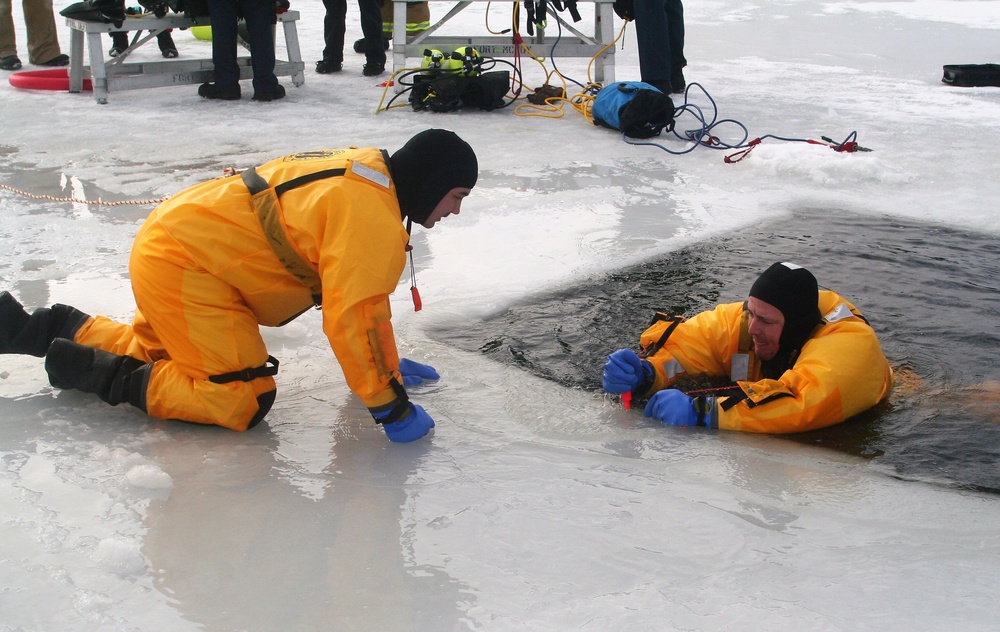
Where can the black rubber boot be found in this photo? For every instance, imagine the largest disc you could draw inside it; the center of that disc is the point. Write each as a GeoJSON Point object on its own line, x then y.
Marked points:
{"type": "Point", "coordinates": [32, 335]}
{"type": "Point", "coordinates": [119, 42]}
{"type": "Point", "coordinates": [166, 43]}
{"type": "Point", "coordinates": [113, 378]}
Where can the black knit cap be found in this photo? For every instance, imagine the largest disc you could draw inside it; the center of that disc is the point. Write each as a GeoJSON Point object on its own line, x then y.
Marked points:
{"type": "Point", "coordinates": [429, 165]}
{"type": "Point", "coordinates": [793, 290]}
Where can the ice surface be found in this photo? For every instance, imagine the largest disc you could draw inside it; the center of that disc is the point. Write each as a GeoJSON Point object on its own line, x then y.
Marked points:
{"type": "Point", "coordinates": [531, 506]}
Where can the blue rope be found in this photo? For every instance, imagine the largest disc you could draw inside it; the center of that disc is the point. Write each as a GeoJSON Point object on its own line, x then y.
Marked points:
{"type": "Point", "coordinates": [552, 53]}
{"type": "Point", "coordinates": [705, 134]}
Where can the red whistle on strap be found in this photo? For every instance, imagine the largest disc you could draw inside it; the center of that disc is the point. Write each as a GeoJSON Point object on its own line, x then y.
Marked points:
{"type": "Point", "coordinates": [627, 400]}
{"type": "Point", "coordinates": [417, 303]}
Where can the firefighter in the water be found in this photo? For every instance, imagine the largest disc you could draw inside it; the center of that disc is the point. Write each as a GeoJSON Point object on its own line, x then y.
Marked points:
{"type": "Point", "coordinates": [800, 358]}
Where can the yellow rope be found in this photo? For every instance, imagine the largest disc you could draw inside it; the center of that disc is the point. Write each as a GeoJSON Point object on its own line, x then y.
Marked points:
{"type": "Point", "coordinates": [581, 102]}
{"type": "Point", "coordinates": [389, 83]}
{"type": "Point", "coordinates": [553, 106]}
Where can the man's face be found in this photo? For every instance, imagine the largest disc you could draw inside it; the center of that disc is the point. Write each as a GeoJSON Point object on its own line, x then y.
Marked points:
{"type": "Point", "coordinates": [450, 204]}
{"type": "Point", "coordinates": [766, 323]}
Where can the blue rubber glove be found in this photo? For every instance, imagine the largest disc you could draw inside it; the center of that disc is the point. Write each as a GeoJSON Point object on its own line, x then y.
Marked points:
{"type": "Point", "coordinates": [409, 428]}
{"type": "Point", "coordinates": [624, 370]}
{"type": "Point", "coordinates": [672, 407]}
{"type": "Point", "coordinates": [415, 373]}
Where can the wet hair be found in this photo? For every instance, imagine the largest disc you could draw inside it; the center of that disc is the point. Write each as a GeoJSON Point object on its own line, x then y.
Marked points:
{"type": "Point", "coordinates": [427, 167]}
{"type": "Point", "coordinates": [794, 292]}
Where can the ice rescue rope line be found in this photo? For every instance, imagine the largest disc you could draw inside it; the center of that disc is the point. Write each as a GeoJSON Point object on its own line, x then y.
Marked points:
{"type": "Point", "coordinates": [228, 171]}
{"type": "Point", "coordinates": [53, 198]}
{"type": "Point", "coordinates": [704, 136]}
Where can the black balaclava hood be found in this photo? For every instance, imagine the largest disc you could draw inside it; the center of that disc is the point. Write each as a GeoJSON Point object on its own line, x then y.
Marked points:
{"type": "Point", "coordinates": [794, 292]}
{"type": "Point", "coordinates": [429, 165]}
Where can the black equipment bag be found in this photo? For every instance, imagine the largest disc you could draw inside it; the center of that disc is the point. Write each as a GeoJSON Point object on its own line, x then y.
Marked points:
{"type": "Point", "coordinates": [972, 75]}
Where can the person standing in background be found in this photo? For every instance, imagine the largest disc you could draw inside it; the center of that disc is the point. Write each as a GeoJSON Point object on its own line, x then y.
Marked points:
{"type": "Point", "coordinates": [334, 27]}
{"type": "Point", "coordinates": [120, 43]}
{"type": "Point", "coordinates": [659, 31]}
{"type": "Point", "coordinates": [43, 41]}
{"type": "Point", "coordinates": [260, 17]}
{"type": "Point", "coordinates": [418, 20]}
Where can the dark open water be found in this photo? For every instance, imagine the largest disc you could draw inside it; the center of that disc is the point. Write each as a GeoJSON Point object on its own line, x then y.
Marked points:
{"type": "Point", "coordinates": [931, 293]}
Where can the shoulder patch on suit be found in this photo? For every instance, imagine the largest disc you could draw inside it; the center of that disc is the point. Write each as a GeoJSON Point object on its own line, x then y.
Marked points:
{"type": "Point", "coordinates": [370, 174]}
{"type": "Point", "coordinates": [840, 312]}
{"type": "Point", "coordinates": [319, 154]}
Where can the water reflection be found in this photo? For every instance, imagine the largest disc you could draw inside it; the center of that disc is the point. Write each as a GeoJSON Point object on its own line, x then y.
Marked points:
{"type": "Point", "coordinates": [256, 534]}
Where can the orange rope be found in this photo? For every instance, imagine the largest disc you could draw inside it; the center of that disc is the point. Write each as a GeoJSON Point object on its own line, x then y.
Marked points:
{"type": "Point", "coordinates": [53, 198]}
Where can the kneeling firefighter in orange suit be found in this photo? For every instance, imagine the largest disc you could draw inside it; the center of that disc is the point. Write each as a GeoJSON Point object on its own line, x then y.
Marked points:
{"type": "Point", "coordinates": [218, 260]}
{"type": "Point", "coordinates": [801, 359]}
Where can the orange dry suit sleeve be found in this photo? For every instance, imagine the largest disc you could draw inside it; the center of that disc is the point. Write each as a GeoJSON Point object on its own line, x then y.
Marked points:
{"type": "Point", "coordinates": [840, 372]}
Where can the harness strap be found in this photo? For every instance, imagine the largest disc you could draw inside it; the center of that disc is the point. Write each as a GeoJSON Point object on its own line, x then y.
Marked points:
{"type": "Point", "coordinates": [734, 399]}
{"type": "Point", "coordinates": [746, 342]}
{"type": "Point", "coordinates": [306, 179]}
{"type": "Point", "coordinates": [264, 200]}
{"type": "Point", "coordinates": [573, 11]}
{"type": "Point", "coordinates": [400, 406]}
{"type": "Point", "coordinates": [255, 184]}
{"type": "Point", "coordinates": [247, 375]}
{"type": "Point", "coordinates": [656, 346]}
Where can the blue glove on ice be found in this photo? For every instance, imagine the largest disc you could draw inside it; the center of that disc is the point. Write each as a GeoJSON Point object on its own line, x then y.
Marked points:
{"type": "Point", "coordinates": [415, 373]}
{"type": "Point", "coordinates": [672, 407]}
{"type": "Point", "coordinates": [624, 371]}
{"type": "Point", "coordinates": [409, 428]}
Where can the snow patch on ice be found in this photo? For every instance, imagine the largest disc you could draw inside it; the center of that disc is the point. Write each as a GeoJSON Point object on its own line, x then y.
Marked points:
{"type": "Point", "coordinates": [983, 14]}
{"type": "Point", "coordinates": [120, 555]}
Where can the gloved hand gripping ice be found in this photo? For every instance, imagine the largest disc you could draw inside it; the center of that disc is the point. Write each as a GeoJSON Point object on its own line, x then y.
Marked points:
{"type": "Point", "coordinates": [672, 407]}
{"type": "Point", "coordinates": [415, 373]}
{"type": "Point", "coordinates": [624, 371]}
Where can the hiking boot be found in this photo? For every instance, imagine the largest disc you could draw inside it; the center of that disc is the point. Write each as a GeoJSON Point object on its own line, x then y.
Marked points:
{"type": "Point", "coordinates": [677, 82]}
{"type": "Point", "coordinates": [269, 94]}
{"type": "Point", "coordinates": [10, 62]}
{"type": "Point", "coordinates": [223, 93]}
{"type": "Point", "coordinates": [373, 70]}
{"type": "Point", "coordinates": [167, 47]}
{"type": "Point", "coordinates": [359, 45]}
{"type": "Point", "coordinates": [61, 59]}
{"type": "Point", "coordinates": [32, 334]}
{"type": "Point", "coordinates": [113, 378]}
{"type": "Point", "coordinates": [325, 67]}
{"type": "Point", "coordinates": [119, 43]}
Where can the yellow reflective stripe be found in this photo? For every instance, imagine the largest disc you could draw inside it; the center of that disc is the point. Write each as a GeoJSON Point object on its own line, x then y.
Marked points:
{"type": "Point", "coordinates": [412, 28]}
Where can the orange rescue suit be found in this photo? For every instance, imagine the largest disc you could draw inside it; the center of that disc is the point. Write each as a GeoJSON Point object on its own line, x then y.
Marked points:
{"type": "Point", "coordinates": [206, 275]}
{"type": "Point", "coordinates": [840, 371]}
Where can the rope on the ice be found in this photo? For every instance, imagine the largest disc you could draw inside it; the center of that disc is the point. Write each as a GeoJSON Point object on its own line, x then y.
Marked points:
{"type": "Point", "coordinates": [707, 136]}
{"type": "Point", "coordinates": [227, 172]}
{"type": "Point", "coordinates": [52, 198]}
